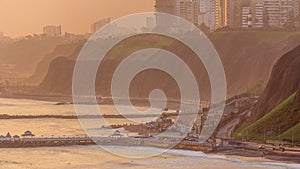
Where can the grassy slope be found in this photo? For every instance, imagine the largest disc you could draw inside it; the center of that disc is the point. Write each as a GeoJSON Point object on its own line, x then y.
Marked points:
{"type": "Point", "coordinates": [275, 37]}
{"type": "Point", "coordinates": [261, 38]}
{"type": "Point", "coordinates": [287, 135]}
{"type": "Point", "coordinates": [281, 117]}
{"type": "Point", "coordinates": [132, 45]}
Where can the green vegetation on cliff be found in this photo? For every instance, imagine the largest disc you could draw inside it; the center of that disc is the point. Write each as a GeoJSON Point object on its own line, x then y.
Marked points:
{"type": "Point", "coordinates": [279, 121]}
{"type": "Point", "coordinates": [292, 133]}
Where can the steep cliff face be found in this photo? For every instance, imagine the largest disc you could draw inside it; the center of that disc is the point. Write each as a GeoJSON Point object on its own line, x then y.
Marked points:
{"type": "Point", "coordinates": [68, 50]}
{"type": "Point", "coordinates": [247, 57]}
{"type": "Point", "coordinates": [298, 95]}
{"type": "Point", "coordinates": [59, 76]}
{"type": "Point", "coordinates": [278, 109]}
{"type": "Point", "coordinates": [284, 81]}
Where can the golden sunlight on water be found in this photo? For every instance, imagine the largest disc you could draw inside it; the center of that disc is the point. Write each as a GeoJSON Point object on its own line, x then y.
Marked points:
{"type": "Point", "coordinates": [33, 107]}
{"type": "Point", "coordinates": [48, 127]}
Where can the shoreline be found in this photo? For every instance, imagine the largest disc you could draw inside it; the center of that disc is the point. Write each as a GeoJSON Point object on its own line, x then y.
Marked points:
{"type": "Point", "coordinates": [231, 155]}
{"type": "Point", "coordinates": [254, 155]}
{"type": "Point", "coordinates": [249, 155]}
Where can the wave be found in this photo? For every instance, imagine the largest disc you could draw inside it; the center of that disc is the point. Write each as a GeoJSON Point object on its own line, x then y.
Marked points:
{"type": "Point", "coordinates": [223, 157]}
{"type": "Point", "coordinates": [190, 153]}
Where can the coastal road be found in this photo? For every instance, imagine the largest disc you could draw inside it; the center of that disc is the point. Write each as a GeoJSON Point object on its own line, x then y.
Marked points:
{"type": "Point", "coordinates": [225, 132]}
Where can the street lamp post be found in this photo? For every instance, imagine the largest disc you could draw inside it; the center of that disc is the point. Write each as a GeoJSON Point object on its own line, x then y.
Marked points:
{"type": "Point", "coordinates": [279, 135]}
{"type": "Point", "coordinates": [265, 136]}
{"type": "Point", "coordinates": [293, 135]}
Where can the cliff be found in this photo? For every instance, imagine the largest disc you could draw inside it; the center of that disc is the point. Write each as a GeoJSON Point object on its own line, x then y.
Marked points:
{"type": "Point", "coordinates": [278, 109]}
{"type": "Point", "coordinates": [247, 57]}
{"type": "Point", "coordinates": [68, 50]}
{"type": "Point", "coordinates": [284, 81]}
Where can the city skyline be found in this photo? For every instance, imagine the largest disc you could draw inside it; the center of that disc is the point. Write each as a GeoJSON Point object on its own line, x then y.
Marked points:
{"type": "Point", "coordinates": [247, 14]}
{"type": "Point", "coordinates": [20, 18]}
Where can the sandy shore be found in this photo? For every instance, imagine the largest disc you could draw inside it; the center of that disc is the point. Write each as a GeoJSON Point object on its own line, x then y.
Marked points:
{"type": "Point", "coordinates": [255, 155]}
{"type": "Point", "coordinates": [91, 157]}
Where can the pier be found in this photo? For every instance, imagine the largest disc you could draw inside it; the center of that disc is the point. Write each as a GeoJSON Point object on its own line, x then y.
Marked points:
{"type": "Point", "coordinates": [104, 141]}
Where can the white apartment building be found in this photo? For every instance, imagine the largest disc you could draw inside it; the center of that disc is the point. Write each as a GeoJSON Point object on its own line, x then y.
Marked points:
{"type": "Point", "coordinates": [208, 13]}
{"type": "Point", "coordinates": [258, 14]}
{"type": "Point", "coordinates": [279, 12]}
{"type": "Point", "coordinates": [246, 17]}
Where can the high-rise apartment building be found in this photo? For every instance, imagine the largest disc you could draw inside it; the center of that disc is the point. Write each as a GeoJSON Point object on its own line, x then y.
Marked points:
{"type": "Point", "coordinates": [245, 13]}
{"type": "Point", "coordinates": [208, 13]}
{"type": "Point", "coordinates": [213, 13]}
{"type": "Point", "coordinates": [52, 31]}
{"type": "Point", "coordinates": [279, 12]}
{"type": "Point", "coordinates": [221, 13]}
{"type": "Point", "coordinates": [99, 24]}
{"type": "Point", "coordinates": [167, 6]}
{"type": "Point", "coordinates": [258, 13]}
{"type": "Point", "coordinates": [189, 10]}
{"type": "Point", "coordinates": [234, 13]}
{"type": "Point", "coordinates": [272, 13]}
{"type": "Point", "coordinates": [296, 7]}
{"type": "Point", "coordinates": [246, 17]}
{"type": "Point", "coordinates": [297, 13]}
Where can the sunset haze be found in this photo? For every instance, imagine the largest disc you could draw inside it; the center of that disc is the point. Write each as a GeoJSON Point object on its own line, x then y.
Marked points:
{"type": "Point", "coordinates": [19, 18]}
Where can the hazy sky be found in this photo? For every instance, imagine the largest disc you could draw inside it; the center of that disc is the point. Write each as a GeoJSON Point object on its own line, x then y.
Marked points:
{"type": "Point", "coordinates": [23, 17]}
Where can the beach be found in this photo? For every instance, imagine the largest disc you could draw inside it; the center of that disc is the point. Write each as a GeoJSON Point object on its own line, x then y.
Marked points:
{"type": "Point", "coordinates": [90, 157]}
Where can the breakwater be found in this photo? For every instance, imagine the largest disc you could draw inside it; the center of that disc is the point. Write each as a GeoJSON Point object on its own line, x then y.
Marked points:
{"type": "Point", "coordinates": [105, 141]}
